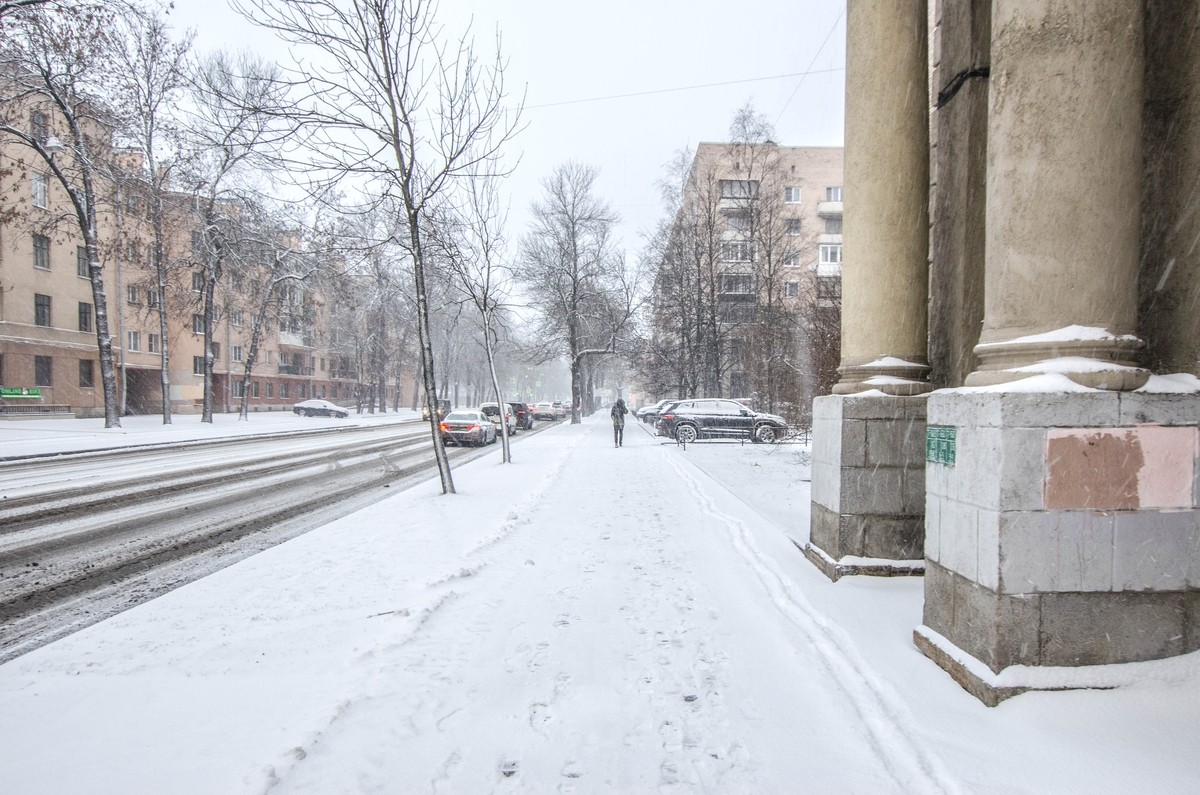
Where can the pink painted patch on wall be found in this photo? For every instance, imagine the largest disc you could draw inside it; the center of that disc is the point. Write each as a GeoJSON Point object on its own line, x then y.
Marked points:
{"type": "Point", "coordinates": [1113, 469]}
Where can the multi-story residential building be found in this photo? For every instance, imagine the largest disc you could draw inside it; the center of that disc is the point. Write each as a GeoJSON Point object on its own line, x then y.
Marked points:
{"type": "Point", "coordinates": [748, 293]}
{"type": "Point", "coordinates": [48, 344]}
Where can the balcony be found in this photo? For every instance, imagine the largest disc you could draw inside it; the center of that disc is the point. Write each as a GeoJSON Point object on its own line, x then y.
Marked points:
{"type": "Point", "coordinates": [829, 209]}
{"type": "Point", "coordinates": [294, 369]}
{"type": "Point", "coordinates": [294, 340]}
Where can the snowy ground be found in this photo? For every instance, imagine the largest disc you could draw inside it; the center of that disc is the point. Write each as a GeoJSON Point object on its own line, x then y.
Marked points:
{"type": "Point", "coordinates": [587, 619]}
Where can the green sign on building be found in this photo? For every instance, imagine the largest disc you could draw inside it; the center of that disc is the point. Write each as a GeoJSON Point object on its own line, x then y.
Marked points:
{"type": "Point", "coordinates": [940, 444]}
{"type": "Point", "coordinates": [19, 393]}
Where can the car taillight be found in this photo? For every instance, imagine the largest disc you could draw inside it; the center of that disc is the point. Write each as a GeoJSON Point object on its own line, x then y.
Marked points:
{"type": "Point", "coordinates": [443, 427]}
{"type": "Point", "coordinates": [473, 427]}
{"type": "Point", "coordinates": [668, 416]}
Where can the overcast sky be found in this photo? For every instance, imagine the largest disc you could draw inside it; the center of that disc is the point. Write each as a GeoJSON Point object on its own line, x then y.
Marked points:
{"type": "Point", "coordinates": [624, 84]}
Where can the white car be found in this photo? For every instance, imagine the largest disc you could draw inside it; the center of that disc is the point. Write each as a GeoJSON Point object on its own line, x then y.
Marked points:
{"type": "Point", "coordinates": [492, 410]}
{"type": "Point", "coordinates": [320, 408]}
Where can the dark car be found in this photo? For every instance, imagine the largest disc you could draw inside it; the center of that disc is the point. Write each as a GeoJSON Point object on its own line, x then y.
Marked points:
{"type": "Point", "coordinates": [649, 414]}
{"type": "Point", "coordinates": [467, 426]}
{"type": "Point", "coordinates": [524, 415]}
{"type": "Point", "coordinates": [320, 408]}
{"type": "Point", "coordinates": [714, 418]}
{"type": "Point", "coordinates": [443, 409]}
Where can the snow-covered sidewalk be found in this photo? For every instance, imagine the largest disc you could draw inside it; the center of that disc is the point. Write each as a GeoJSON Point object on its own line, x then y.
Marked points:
{"type": "Point", "coordinates": [586, 619]}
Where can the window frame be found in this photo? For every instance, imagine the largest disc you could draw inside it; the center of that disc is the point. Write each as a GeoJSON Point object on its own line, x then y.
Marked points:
{"type": "Point", "coordinates": [43, 371]}
{"type": "Point", "coordinates": [792, 194]}
{"type": "Point", "coordinates": [86, 313]}
{"type": "Point", "coordinates": [40, 188]}
{"type": "Point", "coordinates": [43, 310]}
{"type": "Point", "coordinates": [87, 374]}
{"type": "Point", "coordinates": [41, 251]}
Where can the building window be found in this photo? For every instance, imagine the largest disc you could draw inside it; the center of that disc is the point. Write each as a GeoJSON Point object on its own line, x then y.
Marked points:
{"type": "Point", "coordinates": [737, 283]}
{"type": "Point", "coordinates": [41, 309]}
{"type": "Point", "coordinates": [133, 294]}
{"type": "Point", "coordinates": [197, 324]}
{"type": "Point", "coordinates": [739, 188]}
{"type": "Point", "coordinates": [43, 371]}
{"type": "Point", "coordinates": [216, 349]}
{"type": "Point", "coordinates": [41, 190]}
{"type": "Point", "coordinates": [152, 296]}
{"type": "Point", "coordinates": [239, 389]}
{"type": "Point", "coordinates": [270, 389]}
{"type": "Point", "coordinates": [133, 340]}
{"type": "Point", "coordinates": [197, 242]}
{"type": "Point", "coordinates": [235, 282]}
{"type": "Point", "coordinates": [737, 221]}
{"type": "Point", "coordinates": [131, 250]}
{"type": "Point", "coordinates": [131, 204]}
{"type": "Point", "coordinates": [791, 289]}
{"type": "Point", "coordinates": [829, 289]}
{"type": "Point", "coordinates": [153, 344]}
{"type": "Point", "coordinates": [793, 226]}
{"type": "Point", "coordinates": [833, 226]}
{"type": "Point", "coordinates": [833, 194]}
{"type": "Point", "coordinates": [235, 317]}
{"type": "Point", "coordinates": [85, 316]}
{"type": "Point", "coordinates": [736, 251]}
{"type": "Point", "coordinates": [791, 195]}
{"type": "Point", "coordinates": [197, 282]}
{"type": "Point", "coordinates": [39, 126]}
{"type": "Point", "coordinates": [831, 253]}
{"type": "Point", "coordinates": [284, 388]}
{"type": "Point", "coordinates": [87, 375]}
{"type": "Point", "coordinates": [235, 352]}
{"type": "Point", "coordinates": [197, 365]}
{"type": "Point", "coordinates": [254, 388]}
{"type": "Point", "coordinates": [41, 252]}
{"type": "Point", "coordinates": [792, 260]}
{"type": "Point", "coordinates": [81, 263]}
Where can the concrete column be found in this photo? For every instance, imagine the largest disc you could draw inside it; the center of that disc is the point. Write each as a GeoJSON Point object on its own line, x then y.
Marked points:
{"type": "Point", "coordinates": [868, 469]}
{"type": "Point", "coordinates": [1063, 192]}
{"type": "Point", "coordinates": [885, 271]}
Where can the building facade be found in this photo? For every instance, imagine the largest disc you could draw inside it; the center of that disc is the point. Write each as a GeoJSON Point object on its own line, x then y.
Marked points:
{"type": "Point", "coordinates": [48, 341]}
{"type": "Point", "coordinates": [749, 284]}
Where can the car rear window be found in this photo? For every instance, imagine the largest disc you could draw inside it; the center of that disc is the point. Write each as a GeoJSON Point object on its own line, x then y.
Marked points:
{"type": "Point", "coordinates": [462, 416]}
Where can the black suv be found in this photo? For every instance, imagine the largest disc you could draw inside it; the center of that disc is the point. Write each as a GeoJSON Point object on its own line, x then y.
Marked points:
{"type": "Point", "coordinates": [524, 416]}
{"type": "Point", "coordinates": [713, 418]}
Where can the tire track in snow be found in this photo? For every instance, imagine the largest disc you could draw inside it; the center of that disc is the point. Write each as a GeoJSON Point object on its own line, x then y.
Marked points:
{"type": "Point", "coordinates": [890, 726]}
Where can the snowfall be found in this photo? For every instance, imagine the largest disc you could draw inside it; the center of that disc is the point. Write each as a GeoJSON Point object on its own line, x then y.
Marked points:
{"type": "Point", "coordinates": [584, 619]}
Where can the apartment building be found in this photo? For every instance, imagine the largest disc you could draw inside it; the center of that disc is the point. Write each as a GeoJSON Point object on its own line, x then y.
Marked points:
{"type": "Point", "coordinates": [759, 234]}
{"type": "Point", "coordinates": [48, 342]}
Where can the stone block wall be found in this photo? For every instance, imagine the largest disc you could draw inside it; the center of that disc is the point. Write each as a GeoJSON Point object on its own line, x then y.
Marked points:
{"type": "Point", "coordinates": [868, 484]}
{"type": "Point", "coordinates": [1067, 531]}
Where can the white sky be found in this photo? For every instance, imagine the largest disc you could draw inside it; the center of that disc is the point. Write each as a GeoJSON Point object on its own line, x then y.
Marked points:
{"type": "Point", "coordinates": [564, 52]}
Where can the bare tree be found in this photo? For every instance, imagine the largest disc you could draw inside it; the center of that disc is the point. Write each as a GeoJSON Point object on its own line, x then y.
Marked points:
{"type": "Point", "coordinates": [473, 254]}
{"type": "Point", "coordinates": [574, 277]}
{"type": "Point", "coordinates": [391, 105]}
{"type": "Point", "coordinates": [54, 65]}
{"type": "Point", "coordinates": [152, 74]}
{"type": "Point", "coordinates": [236, 110]}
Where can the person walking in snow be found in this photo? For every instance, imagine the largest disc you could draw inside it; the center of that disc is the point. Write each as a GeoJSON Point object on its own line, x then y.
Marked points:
{"type": "Point", "coordinates": [618, 412]}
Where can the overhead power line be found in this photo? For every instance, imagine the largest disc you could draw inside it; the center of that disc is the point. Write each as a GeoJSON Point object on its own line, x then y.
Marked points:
{"type": "Point", "coordinates": [814, 60]}
{"type": "Point", "coordinates": [684, 88]}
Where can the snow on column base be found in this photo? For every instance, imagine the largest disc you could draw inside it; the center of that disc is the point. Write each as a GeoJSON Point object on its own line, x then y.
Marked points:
{"type": "Point", "coordinates": [850, 565]}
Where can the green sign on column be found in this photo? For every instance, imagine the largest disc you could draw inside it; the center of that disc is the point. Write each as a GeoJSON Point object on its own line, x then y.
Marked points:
{"type": "Point", "coordinates": [940, 444]}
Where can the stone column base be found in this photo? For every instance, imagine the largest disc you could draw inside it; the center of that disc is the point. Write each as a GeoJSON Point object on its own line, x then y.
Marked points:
{"type": "Point", "coordinates": [868, 485]}
{"type": "Point", "coordinates": [1061, 532]}
{"type": "Point", "coordinates": [836, 569]}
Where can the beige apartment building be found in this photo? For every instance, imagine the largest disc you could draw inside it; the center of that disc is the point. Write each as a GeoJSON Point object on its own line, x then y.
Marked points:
{"type": "Point", "coordinates": [48, 347]}
{"type": "Point", "coordinates": [765, 221]}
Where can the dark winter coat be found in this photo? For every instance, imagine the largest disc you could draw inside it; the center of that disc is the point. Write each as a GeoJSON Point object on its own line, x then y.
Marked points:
{"type": "Point", "coordinates": [618, 412]}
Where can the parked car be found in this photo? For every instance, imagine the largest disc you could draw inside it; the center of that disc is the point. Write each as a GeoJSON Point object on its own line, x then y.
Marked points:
{"type": "Point", "coordinates": [524, 415]}
{"type": "Point", "coordinates": [561, 409]}
{"type": "Point", "coordinates": [712, 418]}
{"type": "Point", "coordinates": [320, 408]}
{"type": "Point", "coordinates": [492, 411]}
{"type": "Point", "coordinates": [649, 414]}
{"type": "Point", "coordinates": [467, 426]}
{"type": "Point", "coordinates": [443, 409]}
{"type": "Point", "coordinates": [544, 411]}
